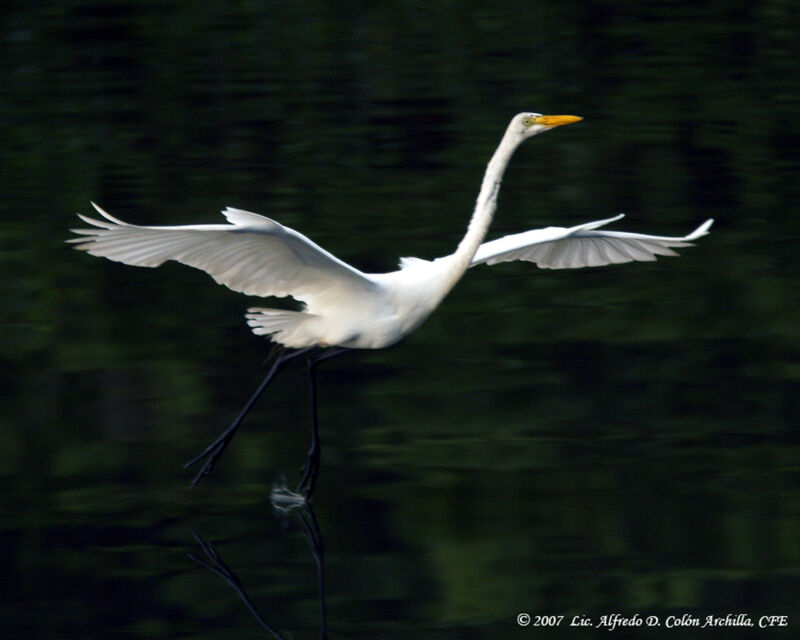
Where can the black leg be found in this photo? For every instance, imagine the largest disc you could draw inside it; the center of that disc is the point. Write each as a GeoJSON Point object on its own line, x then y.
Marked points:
{"type": "Point", "coordinates": [217, 448]}
{"type": "Point", "coordinates": [308, 477]}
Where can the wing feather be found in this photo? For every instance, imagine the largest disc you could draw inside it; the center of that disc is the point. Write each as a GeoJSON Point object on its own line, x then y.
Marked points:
{"type": "Point", "coordinates": [252, 254]}
{"type": "Point", "coordinates": [585, 245]}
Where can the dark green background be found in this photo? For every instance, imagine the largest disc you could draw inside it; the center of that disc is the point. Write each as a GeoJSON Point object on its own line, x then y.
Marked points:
{"type": "Point", "coordinates": [572, 442]}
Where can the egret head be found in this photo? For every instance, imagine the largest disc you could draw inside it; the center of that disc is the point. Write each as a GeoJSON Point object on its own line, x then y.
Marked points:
{"type": "Point", "coordinates": [529, 124]}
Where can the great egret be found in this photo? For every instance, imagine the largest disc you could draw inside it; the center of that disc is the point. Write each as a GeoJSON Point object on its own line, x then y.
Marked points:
{"type": "Point", "coordinates": [343, 307]}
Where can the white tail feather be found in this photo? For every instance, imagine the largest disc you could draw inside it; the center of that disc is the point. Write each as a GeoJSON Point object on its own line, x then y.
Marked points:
{"type": "Point", "coordinates": [265, 322]}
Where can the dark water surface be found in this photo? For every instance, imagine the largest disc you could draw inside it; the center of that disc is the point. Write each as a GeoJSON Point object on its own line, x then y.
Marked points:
{"type": "Point", "coordinates": [577, 443]}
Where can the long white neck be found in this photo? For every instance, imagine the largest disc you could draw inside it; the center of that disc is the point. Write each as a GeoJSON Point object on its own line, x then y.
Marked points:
{"type": "Point", "coordinates": [484, 206]}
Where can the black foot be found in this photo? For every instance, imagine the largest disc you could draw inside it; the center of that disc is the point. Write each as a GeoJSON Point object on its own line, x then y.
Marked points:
{"type": "Point", "coordinates": [213, 453]}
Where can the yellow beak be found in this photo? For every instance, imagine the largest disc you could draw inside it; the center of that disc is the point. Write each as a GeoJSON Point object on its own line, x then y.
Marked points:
{"type": "Point", "coordinates": [557, 121]}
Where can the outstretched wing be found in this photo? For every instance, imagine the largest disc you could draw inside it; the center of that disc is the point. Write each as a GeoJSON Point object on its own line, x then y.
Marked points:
{"type": "Point", "coordinates": [252, 254]}
{"type": "Point", "coordinates": [582, 246]}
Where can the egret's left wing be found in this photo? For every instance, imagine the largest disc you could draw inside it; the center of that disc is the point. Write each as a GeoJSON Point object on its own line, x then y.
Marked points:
{"type": "Point", "coordinates": [582, 246]}
{"type": "Point", "coordinates": [251, 254]}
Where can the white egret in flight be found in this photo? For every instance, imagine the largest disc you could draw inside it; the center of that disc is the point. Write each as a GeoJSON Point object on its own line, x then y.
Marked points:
{"type": "Point", "coordinates": [343, 307]}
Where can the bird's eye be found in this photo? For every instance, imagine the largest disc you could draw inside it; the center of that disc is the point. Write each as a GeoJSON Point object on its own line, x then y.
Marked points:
{"type": "Point", "coordinates": [528, 122]}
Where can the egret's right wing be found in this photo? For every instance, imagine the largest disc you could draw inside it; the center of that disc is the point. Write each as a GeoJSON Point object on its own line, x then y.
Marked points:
{"type": "Point", "coordinates": [582, 246]}
{"type": "Point", "coordinates": [252, 254]}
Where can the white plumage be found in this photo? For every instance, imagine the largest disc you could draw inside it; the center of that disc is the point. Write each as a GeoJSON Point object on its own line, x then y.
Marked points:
{"type": "Point", "coordinates": [582, 246]}
{"type": "Point", "coordinates": [343, 306]}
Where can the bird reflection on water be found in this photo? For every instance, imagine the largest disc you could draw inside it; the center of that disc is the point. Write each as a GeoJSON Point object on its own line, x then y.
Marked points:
{"type": "Point", "coordinates": [308, 522]}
